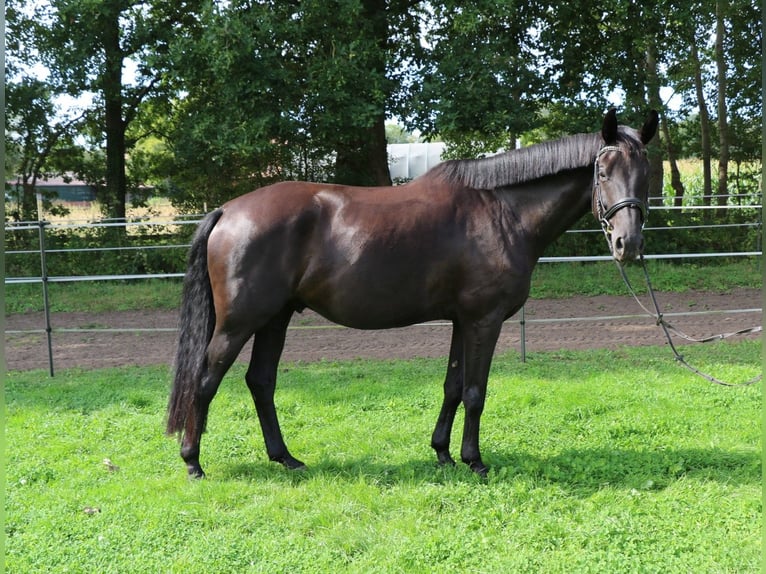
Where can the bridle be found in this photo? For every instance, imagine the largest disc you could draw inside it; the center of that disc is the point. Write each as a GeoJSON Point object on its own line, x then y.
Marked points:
{"type": "Point", "coordinates": [603, 215]}
{"type": "Point", "coordinates": [600, 212]}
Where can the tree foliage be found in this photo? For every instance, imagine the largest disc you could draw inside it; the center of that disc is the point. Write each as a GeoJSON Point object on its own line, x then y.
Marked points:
{"type": "Point", "coordinates": [37, 143]}
{"type": "Point", "coordinates": [238, 93]}
{"type": "Point", "coordinates": [280, 90]}
{"type": "Point", "coordinates": [483, 86]}
{"type": "Point", "coordinates": [86, 46]}
{"type": "Point", "coordinates": [39, 136]}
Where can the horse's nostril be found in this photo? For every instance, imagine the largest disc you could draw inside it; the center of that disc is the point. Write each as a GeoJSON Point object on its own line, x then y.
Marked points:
{"type": "Point", "coordinates": [618, 245]}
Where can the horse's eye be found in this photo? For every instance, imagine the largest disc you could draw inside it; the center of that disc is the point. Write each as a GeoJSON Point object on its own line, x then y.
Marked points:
{"type": "Point", "coordinates": [602, 174]}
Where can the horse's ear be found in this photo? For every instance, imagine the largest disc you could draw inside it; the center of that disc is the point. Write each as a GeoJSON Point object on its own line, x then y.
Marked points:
{"type": "Point", "coordinates": [650, 127]}
{"type": "Point", "coordinates": [609, 128]}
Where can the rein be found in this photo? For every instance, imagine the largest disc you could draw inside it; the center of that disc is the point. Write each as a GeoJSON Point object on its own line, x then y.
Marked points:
{"type": "Point", "coordinates": [667, 328]}
{"type": "Point", "coordinates": [603, 215]}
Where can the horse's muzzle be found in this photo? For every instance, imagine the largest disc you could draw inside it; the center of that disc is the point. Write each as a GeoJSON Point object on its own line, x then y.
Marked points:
{"type": "Point", "coordinates": [626, 246]}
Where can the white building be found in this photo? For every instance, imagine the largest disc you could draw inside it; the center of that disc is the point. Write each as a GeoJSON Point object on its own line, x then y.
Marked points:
{"type": "Point", "coordinates": [410, 160]}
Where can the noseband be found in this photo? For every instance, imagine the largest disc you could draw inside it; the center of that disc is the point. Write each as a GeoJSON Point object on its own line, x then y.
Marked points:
{"type": "Point", "coordinates": [602, 214]}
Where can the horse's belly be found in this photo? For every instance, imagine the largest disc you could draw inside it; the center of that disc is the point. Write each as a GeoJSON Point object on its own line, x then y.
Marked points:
{"type": "Point", "coordinates": [385, 313]}
{"type": "Point", "coordinates": [371, 301]}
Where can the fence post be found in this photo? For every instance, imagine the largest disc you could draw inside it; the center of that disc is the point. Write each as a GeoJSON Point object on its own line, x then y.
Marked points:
{"type": "Point", "coordinates": [46, 302]}
{"type": "Point", "coordinates": [523, 324]}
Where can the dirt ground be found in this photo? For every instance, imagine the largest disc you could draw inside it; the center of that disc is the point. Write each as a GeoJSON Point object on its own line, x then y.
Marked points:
{"type": "Point", "coordinates": [118, 339]}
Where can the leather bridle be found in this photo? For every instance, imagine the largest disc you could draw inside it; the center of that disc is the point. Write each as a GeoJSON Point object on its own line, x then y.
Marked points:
{"type": "Point", "coordinates": [600, 211]}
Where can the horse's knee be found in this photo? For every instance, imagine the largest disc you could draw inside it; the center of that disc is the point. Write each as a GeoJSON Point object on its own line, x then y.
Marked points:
{"type": "Point", "coordinates": [454, 389]}
{"type": "Point", "coordinates": [473, 399]}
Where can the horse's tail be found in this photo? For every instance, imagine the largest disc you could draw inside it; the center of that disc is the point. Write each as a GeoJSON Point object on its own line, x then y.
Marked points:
{"type": "Point", "coordinates": [195, 328]}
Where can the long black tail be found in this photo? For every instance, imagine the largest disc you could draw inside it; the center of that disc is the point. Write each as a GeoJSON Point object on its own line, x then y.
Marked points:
{"type": "Point", "coordinates": [195, 328]}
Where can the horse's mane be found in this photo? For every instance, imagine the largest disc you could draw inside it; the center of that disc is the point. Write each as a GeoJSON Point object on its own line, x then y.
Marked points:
{"type": "Point", "coordinates": [525, 164]}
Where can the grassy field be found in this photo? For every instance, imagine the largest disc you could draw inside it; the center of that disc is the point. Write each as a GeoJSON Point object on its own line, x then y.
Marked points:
{"type": "Point", "coordinates": [602, 461]}
{"type": "Point", "coordinates": [549, 280]}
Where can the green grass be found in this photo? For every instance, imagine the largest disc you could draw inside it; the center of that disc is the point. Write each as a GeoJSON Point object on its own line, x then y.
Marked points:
{"type": "Point", "coordinates": [95, 296]}
{"type": "Point", "coordinates": [602, 461]}
{"type": "Point", "coordinates": [549, 280]}
{"type": "Point", "coordinates": [560, 280]}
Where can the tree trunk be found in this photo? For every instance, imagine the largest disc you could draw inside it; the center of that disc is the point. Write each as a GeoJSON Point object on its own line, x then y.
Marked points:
{"type": "Point", "coordinates": [723, 124]}
{"type": "Point", "coordinates": [364, 161]}
{"type": "Point", "coordinates": [116, 182]}
{"type": "Point", "coordinates": [675, 173]}
{"type": "Point", "coordinates": [704, 124]}
{"type": "Point", "coordinates": [28, 209]}
{"type": "Point", "coordinates": [655, 102]}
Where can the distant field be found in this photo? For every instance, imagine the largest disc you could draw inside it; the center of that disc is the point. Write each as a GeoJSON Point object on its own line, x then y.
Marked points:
{"type": "Point", "coordinates": [83, 212]}
{"type": "Point", "coordinates": [601, 461]}
{"type": "Point", "coordinates": [691, 171]}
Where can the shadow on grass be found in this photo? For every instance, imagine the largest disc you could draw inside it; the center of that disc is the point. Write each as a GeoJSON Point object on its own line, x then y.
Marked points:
{"type": "Point", "coordinates": [581, 471]}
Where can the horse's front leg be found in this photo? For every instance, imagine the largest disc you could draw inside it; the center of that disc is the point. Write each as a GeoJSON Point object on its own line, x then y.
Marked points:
{"type": "Point", "coordinates": [479, 345]}
{"type": "Point", "coordinates": [453, 394]}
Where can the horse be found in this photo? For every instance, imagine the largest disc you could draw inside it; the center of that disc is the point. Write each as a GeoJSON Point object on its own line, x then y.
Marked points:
{"type": "Point", "coordinates": [459, 243]}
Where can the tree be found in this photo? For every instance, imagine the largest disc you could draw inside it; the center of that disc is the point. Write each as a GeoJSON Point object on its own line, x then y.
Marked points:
{"type": "Point", "coordinates": [724, 70]}
{"type": "Point", "coordinates": [86, 44]}
{"type": "Point", "coordinates": [278, 90]}
{"type": "Point", "coordinates": [361, 147]}
{"type": "Point", "coordinates": [482, 84]}
{"type": "Point", "coordinates": [723, 123]}
{"type": "Point", "coordinates": [599, 53]}
{"type": "Point", "coordinates": [244, 92]}
{"type": "Point", "coordinates": [39, 133]}
{"type": "Point", "coordinates": [39, 140]}
{"type": "Point", "coordinates": [241, 123]}
{"type": "Point", "coordinates": [704, 117]}
{"type": "Point", "coordinates": [738, 64]}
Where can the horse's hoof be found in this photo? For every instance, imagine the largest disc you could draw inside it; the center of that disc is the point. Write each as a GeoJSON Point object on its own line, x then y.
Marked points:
{"type": "Point", "coordinates": [479, 468]}
{"type": "Point", "coordinates": [196, 472]}
{"type": "Point", "coordinates": [445, 459]}
{"type": "Point", "coordinates": [290, 463]}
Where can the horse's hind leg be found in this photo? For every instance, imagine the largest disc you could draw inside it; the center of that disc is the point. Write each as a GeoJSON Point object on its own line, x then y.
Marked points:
{"type": "Point", "coordinates": [262, 379]}
{"type": "Point", "coordinates": [221, 353]}
{"type": "Point", "coordinates": [453, 394]}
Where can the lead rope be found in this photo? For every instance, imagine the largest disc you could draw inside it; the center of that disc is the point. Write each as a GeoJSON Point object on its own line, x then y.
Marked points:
{"type": "Point", "coordinates": [666, 328]}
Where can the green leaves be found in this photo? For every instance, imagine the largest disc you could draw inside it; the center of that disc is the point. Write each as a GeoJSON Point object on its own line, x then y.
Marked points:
{"type": "Point", "coordinates": [249, 91]}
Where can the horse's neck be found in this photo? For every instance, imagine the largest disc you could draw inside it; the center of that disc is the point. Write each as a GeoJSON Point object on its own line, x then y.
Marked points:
{"type": "Point", "coordinates": [550, 206]}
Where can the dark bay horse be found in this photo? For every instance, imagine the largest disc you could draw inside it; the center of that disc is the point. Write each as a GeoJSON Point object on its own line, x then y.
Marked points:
{"type": "Point", "coordinates": [459, 244]}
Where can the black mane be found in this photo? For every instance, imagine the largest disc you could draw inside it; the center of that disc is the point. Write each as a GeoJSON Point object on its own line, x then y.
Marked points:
{"type": "Point", "coordinates": [526, 164]}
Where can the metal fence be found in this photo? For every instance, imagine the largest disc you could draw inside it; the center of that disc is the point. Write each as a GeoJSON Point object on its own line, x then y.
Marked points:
{"type": "Point", "coordinates": [41, 228]}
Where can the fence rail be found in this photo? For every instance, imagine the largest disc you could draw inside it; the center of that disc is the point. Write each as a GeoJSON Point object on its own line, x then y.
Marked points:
{"type": "Point", "coordinates": [42, 227]}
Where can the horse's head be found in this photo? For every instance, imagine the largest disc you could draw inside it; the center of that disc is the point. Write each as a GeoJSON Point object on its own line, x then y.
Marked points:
{"type": "Point", "coordinates": [621, 185]}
